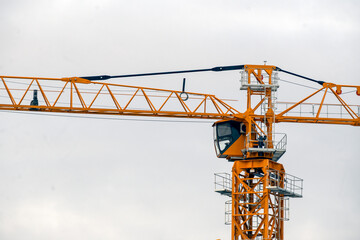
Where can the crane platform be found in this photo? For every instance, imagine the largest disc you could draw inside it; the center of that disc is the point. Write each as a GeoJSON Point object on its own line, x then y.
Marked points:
{"type": "Point", "coordinates": [223, 184]}
{"type": "Point", "coordinates": [289, 186]}
{"type": "Point", "coordinates": [284, 192]}
{"type": "Point", "coordinates": [277, 153]}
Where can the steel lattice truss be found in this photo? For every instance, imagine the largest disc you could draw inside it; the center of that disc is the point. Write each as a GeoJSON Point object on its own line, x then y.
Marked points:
{"type": "Point", "coordinates": [256, 211]}
{"type": "Point", "coordinates": [120, 99]}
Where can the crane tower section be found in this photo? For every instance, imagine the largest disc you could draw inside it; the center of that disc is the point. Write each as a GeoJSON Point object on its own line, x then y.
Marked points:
{"type": "Point", "coordinates": [251, 135]}
{"type": "Point", "coordinates": [258, 187]}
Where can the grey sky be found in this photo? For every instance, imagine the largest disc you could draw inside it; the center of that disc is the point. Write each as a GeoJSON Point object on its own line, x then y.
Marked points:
{"type": "Point", "coordinates": [68, 178]}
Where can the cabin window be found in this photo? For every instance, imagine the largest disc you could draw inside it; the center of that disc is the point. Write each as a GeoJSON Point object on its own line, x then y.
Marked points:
{"type": "Point", "coordinates": [225, 134]}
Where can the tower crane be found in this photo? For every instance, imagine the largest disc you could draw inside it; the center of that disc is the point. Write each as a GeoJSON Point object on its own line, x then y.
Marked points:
{"type": "Point", "coordinates": [258, 186]}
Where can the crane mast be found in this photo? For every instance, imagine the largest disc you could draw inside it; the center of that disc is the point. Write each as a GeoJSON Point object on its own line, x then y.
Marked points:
{"type": "Point", "coordinates": [258, 211]}
{"type": "Point", "coordinates": [258, 187]}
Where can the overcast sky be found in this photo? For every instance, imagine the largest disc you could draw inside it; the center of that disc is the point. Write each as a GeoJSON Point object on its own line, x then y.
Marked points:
{"type": "Point", "coordinates": [76, 178]}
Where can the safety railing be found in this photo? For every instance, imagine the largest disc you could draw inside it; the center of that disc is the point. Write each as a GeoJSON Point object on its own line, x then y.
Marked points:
{"type": "Point", "coordinates": [254, 84]}
{"type": "Point", "coordinates": [223, 183]}
{"type": "Point", "coordinates": [278, 142]}
{"type": "Point", "coordinates": [284, 209]}
{"type": "Point", "coordinates": [285, 184]}
{"type": "Point", "coordinates": [281, 145]}
{"type": "Point", "coordinates": [312, 109]}
{"type": "Point", "coordinates": [228, 216]}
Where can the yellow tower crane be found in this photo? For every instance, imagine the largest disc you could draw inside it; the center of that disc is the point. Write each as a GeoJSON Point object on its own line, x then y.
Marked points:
{"type": "Point", "coordinates": [258, 186]}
